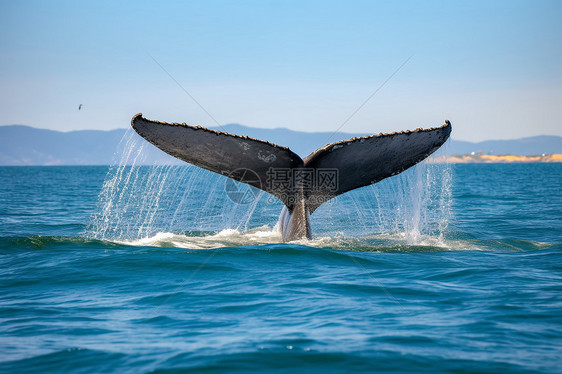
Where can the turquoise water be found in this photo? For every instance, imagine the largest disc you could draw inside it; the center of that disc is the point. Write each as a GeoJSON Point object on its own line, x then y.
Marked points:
{"type": "Point", "coordinates": [154, 269]}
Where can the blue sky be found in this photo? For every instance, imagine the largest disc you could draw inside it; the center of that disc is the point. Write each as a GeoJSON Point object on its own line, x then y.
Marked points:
{"type": "Point", "coordinates": [494, 68]}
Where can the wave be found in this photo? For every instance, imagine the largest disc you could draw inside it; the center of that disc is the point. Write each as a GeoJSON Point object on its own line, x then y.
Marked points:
{"type": "Point", "coordinates": [268, 237]}
{"type": "Point", "coordinates": [204, 240]}
{"type": "Point", "coordinates": [44, 242]}
{"type": "Point", "coordinates": [383, 242]}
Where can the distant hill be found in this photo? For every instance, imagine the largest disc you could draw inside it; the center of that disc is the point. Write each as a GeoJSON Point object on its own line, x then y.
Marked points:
{"type": "Point", "coordinates": [24, 145]}
{"type": "Point", "coordinates": [303, 143]}
{"type": "Point", "coordinates": [300, 142]}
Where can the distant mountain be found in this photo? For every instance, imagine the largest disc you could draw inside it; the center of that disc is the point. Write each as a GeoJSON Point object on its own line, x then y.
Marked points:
{"type": "Point", "coordinates": [300, 142]}
{"type": "Point", "coordinates": [303, 143]}
{"type": "Point", "coordinates": [24, 145]}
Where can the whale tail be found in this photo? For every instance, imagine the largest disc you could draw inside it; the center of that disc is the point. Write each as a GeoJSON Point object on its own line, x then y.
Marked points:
{"type": "Point", "coordinates": [302, 185]}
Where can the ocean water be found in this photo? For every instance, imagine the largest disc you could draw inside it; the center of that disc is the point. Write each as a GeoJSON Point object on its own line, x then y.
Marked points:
{"type": "Point", "coordinates": [165, 269]}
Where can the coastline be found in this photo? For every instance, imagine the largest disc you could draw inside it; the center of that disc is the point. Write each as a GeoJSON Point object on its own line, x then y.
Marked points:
{"type": "Point", "coordinates": [490, 159]}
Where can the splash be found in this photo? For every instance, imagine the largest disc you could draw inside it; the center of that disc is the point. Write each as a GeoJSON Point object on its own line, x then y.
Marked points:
{"type": "Point", "coordinates": [145, 194]}
{"type": "Point", "coordinates": [225, 238]}
{"type": "Point", "coordinates": [151, 199]}
{"type": "Point", "coordinates": [413, 206]}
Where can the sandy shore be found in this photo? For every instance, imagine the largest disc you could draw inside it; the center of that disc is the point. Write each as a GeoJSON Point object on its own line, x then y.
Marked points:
{"type": "Point", "coordinates": [488, 159]}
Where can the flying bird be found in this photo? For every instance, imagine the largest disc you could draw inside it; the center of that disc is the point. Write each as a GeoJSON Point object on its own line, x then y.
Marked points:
{"type": "Point", "coordinates": [79, 106]}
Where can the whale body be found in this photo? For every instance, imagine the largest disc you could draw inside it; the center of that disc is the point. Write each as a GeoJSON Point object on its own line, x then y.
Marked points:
{"type": "Point", "coordinates": [301, 184]}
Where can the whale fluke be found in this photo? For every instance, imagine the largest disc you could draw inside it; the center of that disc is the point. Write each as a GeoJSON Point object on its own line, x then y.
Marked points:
{"type": "Point", "coordinates": [223, 153]}
{"type": "Point", "coordinates": [370, 159]}
{"type": "Point", "coordinates": [326, 173]}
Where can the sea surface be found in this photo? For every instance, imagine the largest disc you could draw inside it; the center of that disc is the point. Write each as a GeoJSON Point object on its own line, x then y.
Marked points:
{"type": "Point", "coordinates": [167, 269]}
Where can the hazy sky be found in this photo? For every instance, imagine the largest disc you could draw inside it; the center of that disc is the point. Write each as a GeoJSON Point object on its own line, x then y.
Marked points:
{"type": "Point", "coordinates": [494, 68]}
